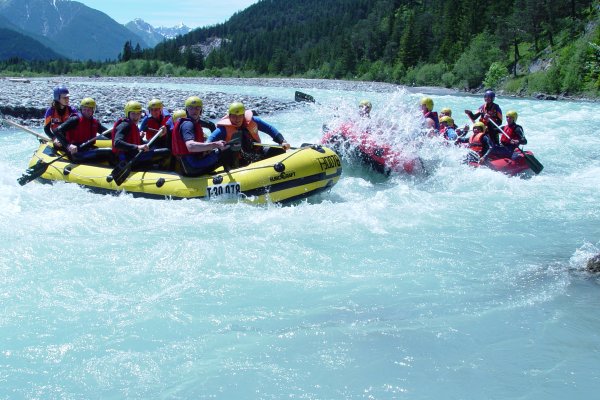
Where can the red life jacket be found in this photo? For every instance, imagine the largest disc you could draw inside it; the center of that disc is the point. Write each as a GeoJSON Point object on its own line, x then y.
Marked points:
{"type": "Point", "coordinates": [178, 147]}
{"type": "Point", "coordinates": [510, 131]}
{"type": "Point", "coordinates": [476, 143]}
{"type": "Point", "coordinates": [493, 113]}
{"type": "Point", "coordinates": [85, 130]}
{"type": "Point", "coordinates": [57, 119]}
{"type": "Point", "coordinates": [132, 137]}
{"type": "Point", "coordinates": [248, 125]}
{"type": "Point", "coordinates": [154, 125]}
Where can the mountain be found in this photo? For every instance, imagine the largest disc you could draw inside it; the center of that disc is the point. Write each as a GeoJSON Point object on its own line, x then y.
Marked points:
{"type": "Point", "coordinates": [151, 35]}
{"type": "Point", "coordinates": [174, 31]}
{"type": "Point", "coordinates": [72, 29]}
{"type": "Point", "coordinates": [16, 45]}
{"type": "Point", "coordinates": [146, 31]}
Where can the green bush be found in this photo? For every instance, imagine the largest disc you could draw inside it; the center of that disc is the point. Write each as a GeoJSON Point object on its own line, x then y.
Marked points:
{"type": "Point", "coordinates": [472, 65]}
{"type": "Point", "coordinates": [495, 74]}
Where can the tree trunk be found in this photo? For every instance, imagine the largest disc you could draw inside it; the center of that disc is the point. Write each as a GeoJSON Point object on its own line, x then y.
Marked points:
{"type": "Point", "coordinates": [517, 56]}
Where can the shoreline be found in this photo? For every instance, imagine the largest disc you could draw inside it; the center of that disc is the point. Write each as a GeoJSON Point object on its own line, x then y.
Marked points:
{"type": "Point", "coordinates": [27, 99]}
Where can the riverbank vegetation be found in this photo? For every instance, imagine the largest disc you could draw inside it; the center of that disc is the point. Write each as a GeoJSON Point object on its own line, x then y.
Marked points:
{"type": "Point", "coordinates": [519, 46]}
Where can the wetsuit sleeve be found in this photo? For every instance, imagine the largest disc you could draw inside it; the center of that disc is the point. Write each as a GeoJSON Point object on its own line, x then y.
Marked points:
{"type": "Point", "coordinates": [60, 132]}
{"type": "Point", "coordinates": [521, 134]}
{"type": "Point", "coordinates": [122, 130]}
{"type": "Point", "coordinates": [269, 130]}
{"type": "Point", "coordinates": [47, 122]}
{"type": "Point", "coordinates": [102, 129]}
{"type": "Point", "coordinates": [208, 124]}
{"type": "Point", "coordinates": [217, 134]}
{"type": "Point", "coordinates": [489, 144]}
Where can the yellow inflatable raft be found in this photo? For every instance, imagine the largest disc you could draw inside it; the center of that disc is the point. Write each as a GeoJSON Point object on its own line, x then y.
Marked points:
{"type": "Point", "coordinates": [298, 173]}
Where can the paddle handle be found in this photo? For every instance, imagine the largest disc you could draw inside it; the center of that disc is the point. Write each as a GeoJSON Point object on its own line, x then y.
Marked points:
{"type": "Point", "coordinates": [34, 133]}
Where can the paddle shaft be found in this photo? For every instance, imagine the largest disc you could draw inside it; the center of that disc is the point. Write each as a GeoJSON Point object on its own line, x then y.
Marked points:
{"type": "Point", "coordinates": [34, 133]}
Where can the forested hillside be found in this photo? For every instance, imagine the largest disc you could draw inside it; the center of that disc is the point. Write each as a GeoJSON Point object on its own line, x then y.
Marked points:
{"type": "Point", "coordinates": [549, 46]}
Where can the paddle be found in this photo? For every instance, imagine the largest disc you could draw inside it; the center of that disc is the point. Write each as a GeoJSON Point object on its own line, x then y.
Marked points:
{"type": "Point", "coordinates": [38, 169]}
{"type": "Point", "coordinates": [41, 137]}
{"type": "Point", "coordinates": [123, 168]}
{"type": "Point", "coordinates": [530, 159]}
{"type": "Point", "coordinates": [299, 96]}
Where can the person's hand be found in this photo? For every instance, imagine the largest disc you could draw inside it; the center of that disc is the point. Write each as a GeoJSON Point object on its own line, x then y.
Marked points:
{"type": "Point", "coordinates": [514, 142]}
{"type": "Point", "coordinates": [220, 144]}
{"type": "Point", "coordinates": [72, 149]}
{"type": "Point", "coordinates": [143, 147]}
{"type": "Point", "coordinates": [162, 131]}
{"type": "Point", "coordinates": [286, 146]}
{"type": "Point", "coordinates": [56, 143]}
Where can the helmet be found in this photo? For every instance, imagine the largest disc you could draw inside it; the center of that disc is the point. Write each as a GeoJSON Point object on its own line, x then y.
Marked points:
{"type": "Point", "coordinates": [61, 89]}
{"type": "Point", "coordinates": [365, 104]}
{"type": "Point", "coordinates": [155, 103]}
{"type": "Point", "coordinates": [428, 102]}
{"type": "Point", "coordinates": [132, 106]}
{"type": "Point", "coordinates": [513, 114]}
{"type": "Point", "coordinates": [479, 125]}
{"type": "Point", "coordinates": [236, 108]}
{"type": "Point", "coordinates": [489, 93]}
{"type": "Point", "coordinates": [193, 101]}
{"type": "Point", "coordinates": [88, 102]}
{"type": "Point", "coordinates": [446, 111]}
{"type": "Point", "coordinates": [447, 119]}
{"type": "Point", "coordinates": [179, 114]}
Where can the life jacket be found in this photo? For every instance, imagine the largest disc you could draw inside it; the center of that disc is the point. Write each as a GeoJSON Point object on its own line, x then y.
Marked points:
{"type": "Point", "coordinates": [154, 125]}
{"type": "Point", "coordinates": [132, 137]}
{"type": "Point", "coordinates": [434, 116]}
{"type": "Point", "coordinates": [476, 143]}
{"type": "Point", "coordinates": [178, 147]}
{"type": "Point", "coordinates": [55, 118]}
{"type": "Point", "coordinates": [510, 130]}
{"type": "Point", "coordinates": [494, 113]}
{"type": "Point", "coordinates": [248, 125]}
{"type": "Point", "coordinates": [85, 130]}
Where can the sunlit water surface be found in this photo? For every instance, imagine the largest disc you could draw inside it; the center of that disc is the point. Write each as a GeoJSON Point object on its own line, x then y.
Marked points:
{"type": "Point", "coordinates": [462, 284]}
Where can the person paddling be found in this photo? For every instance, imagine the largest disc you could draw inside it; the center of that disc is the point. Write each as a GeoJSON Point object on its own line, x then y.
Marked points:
{"type": "Point", "coordinates": [480, 142]}
{"type": "Point", "coordinates": [488, 111]}
{"type": "Point", "coordinates": [78, 129]}
{"type": "Point", "coordinates": [242, 127]}
{"type": "Point", "coordinates": [195, 155]}
{"type": "Point", "coordinates": [58, 112]}
{"type": "Point", "coordinates": [127, 141]}
{"type": "Point", "coordinates": [156, 119]}
{"type": "Point", "coordinates": [364, 108]}
{"type": "Point", "coordinates": [512, 137]}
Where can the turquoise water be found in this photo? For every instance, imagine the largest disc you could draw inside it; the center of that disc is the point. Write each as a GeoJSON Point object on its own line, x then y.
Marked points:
{"type": "Point", "coordinates": [464, 284]}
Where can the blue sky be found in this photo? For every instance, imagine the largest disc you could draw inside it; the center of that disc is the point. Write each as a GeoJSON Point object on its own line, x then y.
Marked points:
{"type": "Point", "coordinates": [193, 13]}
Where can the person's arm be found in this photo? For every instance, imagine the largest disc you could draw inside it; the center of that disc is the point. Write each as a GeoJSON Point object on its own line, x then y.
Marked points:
{"type": "Point", "coordinates": [217, 134]}
{"type": "Point", "coordinates": [189, 137]}
{"type": "Point", "coordinates": [208, 124]}
{"type": "Point", "coordinates": [122, 130]}
{"type": "Point", "coordinates": [271, 131]}
{"type": "Point", "coordinates": [102, 129]}
{"type": "Point", "coordinates": [520, 134]}
{"type": "Point", "coordinates": [60, 133]}
{"type": "Point", "coordinates": [490, 147]}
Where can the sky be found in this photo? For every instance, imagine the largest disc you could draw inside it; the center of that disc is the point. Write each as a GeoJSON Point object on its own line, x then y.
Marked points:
{"type": "Point", "coordinates": [193, 13]}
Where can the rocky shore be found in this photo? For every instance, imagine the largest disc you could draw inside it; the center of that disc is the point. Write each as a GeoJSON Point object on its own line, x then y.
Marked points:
{"type": "Point", "coordinates": [26, 100]}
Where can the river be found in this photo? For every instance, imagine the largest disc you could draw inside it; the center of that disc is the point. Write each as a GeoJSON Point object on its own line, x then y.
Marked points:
{"type": "Point", "coordinates": [462, 284]}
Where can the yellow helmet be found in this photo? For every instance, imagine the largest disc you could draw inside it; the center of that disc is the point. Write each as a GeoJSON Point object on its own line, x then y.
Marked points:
{"type": "Point", "coordinates": [193, 101]}
{"type": "Point", "coordinates": [446, 111]}
{"type": "Point", "coordinates": [479, 125]}
{"type": "Point", "coordinates": [236, 108]}
{"type": "Point", "coordinates": [132, 106]}
{"type": "Point", "coordinates": [155, 103]}
{"type": "Point", "coordinates": [513, 114]}
{"type": "Point", "coordinates": [365, 104]}
{"type": "Point", "coordinates": [428, 102]}
{"type": "Point", "coordinates": [88, 102]}
{"type": "Point", "coordinates": [179, 114]}
{"type": "Point", "coordinates": [447, 119]}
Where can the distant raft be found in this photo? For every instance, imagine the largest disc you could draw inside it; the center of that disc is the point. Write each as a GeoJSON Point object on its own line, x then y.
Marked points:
{"type": "Point", "coordinates": [293, 175]}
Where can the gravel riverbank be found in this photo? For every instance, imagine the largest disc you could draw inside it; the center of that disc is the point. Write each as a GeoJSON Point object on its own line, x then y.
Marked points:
{"type": "Point", "coordinates": [26, 100]}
